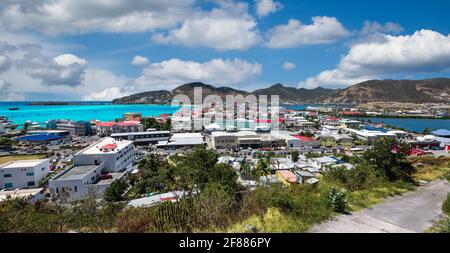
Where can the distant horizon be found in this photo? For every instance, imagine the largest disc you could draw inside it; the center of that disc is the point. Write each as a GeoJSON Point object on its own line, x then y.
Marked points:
{"type": "Point", "coordinates": [71, 50]}
{"type": "Point", "coordinates": [219, 86]}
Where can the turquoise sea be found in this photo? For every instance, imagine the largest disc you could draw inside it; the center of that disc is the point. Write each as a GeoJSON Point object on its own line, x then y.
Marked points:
{"type": "Point", "coordinates": [105, 111]}
{"type": "Point", "coordinates": [87, 111]}
{"type": "Point", "coordinates": [415, 125]}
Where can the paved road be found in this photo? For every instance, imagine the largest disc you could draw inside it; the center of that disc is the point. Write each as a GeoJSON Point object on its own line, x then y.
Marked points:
{"type": "Point", "coordinates": [412, 212]}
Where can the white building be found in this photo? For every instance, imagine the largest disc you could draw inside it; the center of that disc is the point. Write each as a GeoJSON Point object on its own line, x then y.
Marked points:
{"type": "Point", "coordinates": [322, 162]}
{"type": "Point", "coordinates": [141, 138]}
{"type": "Point", "coordinates": [368, 135]}
{"type": "Point", "coordinates": [243, 139]}
{"type": "Point", "coordinates": [30, 195]}
{"type": "Point", "coordinates": [23, 173]}
{"type": "Point", "coordinates": [182, 141]}
{"type": "Point", "coordinates": [95, 168]}
{"type": "Point", "coordinates": [2, 128]}
{"type": "Point", "coordinates": [223, 140]}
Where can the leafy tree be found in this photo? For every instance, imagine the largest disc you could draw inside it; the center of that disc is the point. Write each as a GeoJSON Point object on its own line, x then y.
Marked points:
{"type": "Point", "coordinates": [262, 168]}
{"type": "Point", "coordinates": [115, 191]}
{"type": "Point", "coordinates": [337, 200]}
{"type": "Point", "coordinates": [199, 167]}
{"type": "Point", "coordinates": [426, 131]}
{"type": "Point", "coordinates": [6, 142]}
{"type": "Point", "coordinates": [389, 158]}
{"type": "Point", "coordinates": [295, 155]}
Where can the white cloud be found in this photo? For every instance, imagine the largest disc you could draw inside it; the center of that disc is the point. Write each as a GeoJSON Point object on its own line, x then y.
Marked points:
{"type": "Point", "coordinates": [107, 94]}
{"type": "Point", "coordinates": [425, 51]}
{"type": "Point", "coordinates": [6, 95]}
{"type": "Point", "coordinates": [375, 27]}
{"type": "Point", "coordinates": [65, 69]}
{"type": "Point", "coordinates": [65, 60]}
{"type": "Point", "coordinates": [174, 72]}
{"type": "Point", "coordinates": [5, 63]}
{"type": "Point", "coordinates": [79, 16]}
{"type": "Point", "coordinates": [229, 27]}
{"type": "Point", "coordinates": [140, 60]}
{"type": "Point", "coordinates": [265, 7]}
{"type": "Point", "coordinates": [3, 85]}
{"type": "Point", "coordinates": [288, 65]}
{"type": "Point", "coordinates": [295, 34]}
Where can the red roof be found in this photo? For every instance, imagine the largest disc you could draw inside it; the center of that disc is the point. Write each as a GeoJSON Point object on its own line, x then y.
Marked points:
{"type": "Point", "coordinates": [110, 146]}
{"type": "Point", "coordinates": [332, 118]}
{"type": "Point", "coordinates": [263, 121]}
{"type": "Point", "coordinates": [106, 124]}
{"type": "Point", "coordinates": [303, 138]}
{"type": "Point", "coordinates": [288, 176]}
{"type": "Point", "coordinates": [111, 123]}
{"type": "Point", "coordinates": [351, 113]}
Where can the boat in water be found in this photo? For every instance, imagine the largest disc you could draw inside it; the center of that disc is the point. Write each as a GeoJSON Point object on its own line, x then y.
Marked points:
{"type": "Point", "coordinates": [14, 108]}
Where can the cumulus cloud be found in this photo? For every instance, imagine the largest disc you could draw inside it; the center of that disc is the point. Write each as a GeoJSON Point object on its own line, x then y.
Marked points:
{"type": "Point", "coordinates": [66, 69]}
{"type": "Point", "coordinates": [140, 60]}
{"type": "Point", "coordinates": [375, 27]}
{"type": "Point", "coordinates": [106, 95]}
{"type": "Point", "coordinates": [171, 73]}
{"type": "Point", "coordinates": [79, 16]}
{"type": "Point", "coordinates": [288, 65]}
{"type": "Point", "coordinates": [266, 7]}
{"type": "Point", "coordinates": [425, 51]}
{"type": "Point", "coordinates": [5, 63]}
{"type": "Point", "coordinates": [6, 95]}
{"type": "Point", "coordinates": [32, 72]}
{"type": "Point", "coordinates": [295, 34]}
{"type": "Point", "coordinates": [228, 27]}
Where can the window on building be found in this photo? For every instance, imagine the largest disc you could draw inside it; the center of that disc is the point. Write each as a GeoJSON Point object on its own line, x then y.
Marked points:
{"type": "Point", "coordinates": [43, 168]}
{"type": "Point", "coordinates": [31, 183]}
{"type": "Point", "coordinates": [7, 175]}
{"type": "Point", "coordinates": [30, 174]}
{"type": "Point", "coordinates": [8, 185]}
{"type": "Point", "coordinates": [75, 189]}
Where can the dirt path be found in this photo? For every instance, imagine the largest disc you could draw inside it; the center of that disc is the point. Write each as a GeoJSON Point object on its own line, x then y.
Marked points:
{"type": "Point", "coordinates": [412, 212]}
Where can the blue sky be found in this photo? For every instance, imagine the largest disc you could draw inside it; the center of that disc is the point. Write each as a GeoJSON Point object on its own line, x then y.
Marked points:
{"type": "Point", "coordinates": [70, 50]}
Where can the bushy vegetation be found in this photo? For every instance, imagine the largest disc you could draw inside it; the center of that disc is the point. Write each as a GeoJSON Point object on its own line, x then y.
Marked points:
{"type": "Point", "coordinates": [214, 200]}
{"type": "Point", "coordinates": [153, 123]}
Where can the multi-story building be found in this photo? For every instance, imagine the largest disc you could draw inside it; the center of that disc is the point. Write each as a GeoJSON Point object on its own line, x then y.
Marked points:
{"type": "Point", "coordinates": [242, 139]}
{"type": "Point", "coordinates": [108, 128]}
{"type": "Point", "coordinates": [143, 138]}
{"type": "Point", "coordinates": [223, 140]}
{"type": "Point", "coordinates": [79, 128]}
{"type": "Point", "coordinates": [95, 168]}
{"type": "Point", "coordinates": [23, 173]}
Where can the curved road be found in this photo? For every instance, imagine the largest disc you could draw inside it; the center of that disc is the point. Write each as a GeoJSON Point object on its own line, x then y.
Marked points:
{"type": "Point", "coordinates": [412, 212]}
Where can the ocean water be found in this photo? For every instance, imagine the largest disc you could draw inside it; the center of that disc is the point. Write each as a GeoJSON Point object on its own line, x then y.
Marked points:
{"type": "Point", "coordinates": [103, 111]}
{"type": "Point", "coordinates": [415, 125]}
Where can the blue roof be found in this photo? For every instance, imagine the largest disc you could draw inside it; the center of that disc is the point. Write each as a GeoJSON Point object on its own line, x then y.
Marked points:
{"type": "Point", "coordinates": [441, 132]}
{"type": "Point", "coordinates": [39, 137]}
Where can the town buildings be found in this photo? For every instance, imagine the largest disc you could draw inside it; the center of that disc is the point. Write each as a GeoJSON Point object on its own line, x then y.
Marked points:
{"type": "Point", "coordinates": [23, 173]}
{"type": "Point", "coordinates": [95, 168]}
{"type": "Point", "coordinates": [107, 128]}
{"type": "Point", "coordinates": [78, 128]}
{"type": "Point", "coordinates": [143, 138]}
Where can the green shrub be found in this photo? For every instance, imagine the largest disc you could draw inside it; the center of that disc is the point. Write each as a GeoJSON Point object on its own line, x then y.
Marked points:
{"type": "Point", "coordinates": [337, 200]}
{"type": "Point", "coordinates": [446, 205]}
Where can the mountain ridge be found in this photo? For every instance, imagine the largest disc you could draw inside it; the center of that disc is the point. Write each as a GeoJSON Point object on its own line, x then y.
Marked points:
{"type": "Point", "coordinates": [388, 90]}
